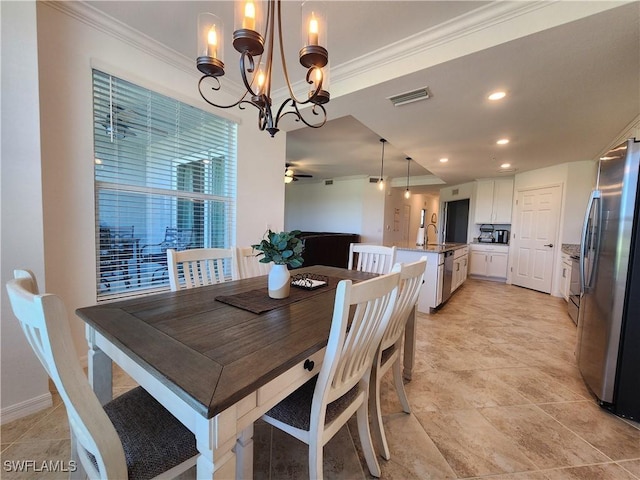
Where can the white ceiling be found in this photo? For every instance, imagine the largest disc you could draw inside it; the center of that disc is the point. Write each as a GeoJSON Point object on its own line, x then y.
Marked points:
{"type": "Point", "coordinates": [571, 88]}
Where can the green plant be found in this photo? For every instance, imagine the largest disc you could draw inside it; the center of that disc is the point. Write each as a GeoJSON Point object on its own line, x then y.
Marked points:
{"type": "Point", "coordinates": [284, 248]}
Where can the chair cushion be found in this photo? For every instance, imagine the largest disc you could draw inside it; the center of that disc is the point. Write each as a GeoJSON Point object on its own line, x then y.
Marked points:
{"type": "Point", "coordinates": [153, 440]}
{"type": "Point", "coordinates": [295, 410]}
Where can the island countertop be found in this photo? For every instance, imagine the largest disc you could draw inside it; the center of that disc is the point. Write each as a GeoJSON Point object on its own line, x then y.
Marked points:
{"type": "Point", "coordinates": [434, 247]}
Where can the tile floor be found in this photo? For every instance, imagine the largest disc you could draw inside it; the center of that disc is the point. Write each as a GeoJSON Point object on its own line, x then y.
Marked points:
{"type": "Point", "coordinates": [495, 395]}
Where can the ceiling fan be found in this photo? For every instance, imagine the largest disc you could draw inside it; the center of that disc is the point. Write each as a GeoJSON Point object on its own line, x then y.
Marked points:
{"type": "Point", "coordinates": [121, 121]}
{"type": "Point", "coordinates": [291, 176]}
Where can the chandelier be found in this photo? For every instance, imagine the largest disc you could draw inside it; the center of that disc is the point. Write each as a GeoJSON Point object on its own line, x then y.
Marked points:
{"type": "Point", "coordinates": [256, 48]}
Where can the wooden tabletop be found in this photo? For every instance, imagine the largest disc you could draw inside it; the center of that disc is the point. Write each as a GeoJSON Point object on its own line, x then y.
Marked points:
{"type": "Point", "coordinates": [212, 354]}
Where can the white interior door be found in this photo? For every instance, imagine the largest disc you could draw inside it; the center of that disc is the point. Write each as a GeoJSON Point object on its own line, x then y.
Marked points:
{"type": "Point", "coordinates": [535, 242]}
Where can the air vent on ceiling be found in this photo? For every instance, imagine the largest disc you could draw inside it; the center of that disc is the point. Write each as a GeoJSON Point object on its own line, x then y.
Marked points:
{"type": "Point", "coordinates": [373, 180]}
{"type": "Point", "coordinates": [410, 97]}
{"type": "Point", "coordinates": [328, 182]}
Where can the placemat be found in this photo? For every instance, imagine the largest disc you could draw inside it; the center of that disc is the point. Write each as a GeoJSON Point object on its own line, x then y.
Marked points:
{"type": "Point", "coordinates": [258, 301]}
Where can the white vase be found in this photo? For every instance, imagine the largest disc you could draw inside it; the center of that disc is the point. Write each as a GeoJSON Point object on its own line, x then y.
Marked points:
{"type": "Point", "coordinates": [279, 278]}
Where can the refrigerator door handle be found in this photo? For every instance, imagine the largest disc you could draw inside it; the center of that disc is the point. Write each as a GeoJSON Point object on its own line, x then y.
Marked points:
{"type": "Point", "coordinates": [595, 195]}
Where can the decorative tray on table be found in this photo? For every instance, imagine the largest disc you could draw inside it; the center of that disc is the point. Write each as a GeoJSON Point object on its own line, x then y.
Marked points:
{"type": "Point", "coordinates": [309, 281]}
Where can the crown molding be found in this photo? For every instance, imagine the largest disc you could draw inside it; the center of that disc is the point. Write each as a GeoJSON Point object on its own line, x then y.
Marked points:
{"type": "Point", "coordinates": [91, 16]}
{"type": "Point", "coordinates": [411, 47]}
{"type": "Point", "coordinates": [508, 20]}
{"type": "Point", "coordinates": [100, 21]}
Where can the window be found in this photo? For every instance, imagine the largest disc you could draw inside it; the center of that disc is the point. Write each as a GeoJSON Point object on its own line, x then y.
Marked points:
{"type": "Point", "coordinates": [165, 177]}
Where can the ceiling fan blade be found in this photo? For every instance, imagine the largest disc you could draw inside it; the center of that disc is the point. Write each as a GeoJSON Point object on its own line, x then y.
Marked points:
{"type": "Point", "coordinates": [302, 175]}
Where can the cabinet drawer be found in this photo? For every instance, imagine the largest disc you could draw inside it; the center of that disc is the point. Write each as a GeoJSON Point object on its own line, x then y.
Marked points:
{"type": "Point", "coordinates": [291, 379]}
{"type": "Point", "coordinates": [480, 247]}
{"type": "Point", "coordinates": [461, 252]}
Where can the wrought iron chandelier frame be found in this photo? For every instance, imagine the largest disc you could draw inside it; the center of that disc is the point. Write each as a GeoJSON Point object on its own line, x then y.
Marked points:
{"type": "Point", "coordinates": [250, 44]}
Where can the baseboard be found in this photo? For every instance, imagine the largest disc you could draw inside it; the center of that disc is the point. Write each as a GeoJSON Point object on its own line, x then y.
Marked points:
{"type": "Point", "coordinates": [22, 409]}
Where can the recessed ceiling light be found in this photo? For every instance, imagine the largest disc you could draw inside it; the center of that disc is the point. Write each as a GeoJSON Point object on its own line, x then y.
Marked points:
{"type": "Point", "coordinates": [505, 165]}
{"type": "Point", "coordinates": [444, 160]}
{"type": "Point", "coordinates": [497, 96]}
{"type": "Point", "coordinates": [503, 141]}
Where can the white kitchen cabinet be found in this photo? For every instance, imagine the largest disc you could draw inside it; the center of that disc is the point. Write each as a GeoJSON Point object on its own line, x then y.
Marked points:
{"type": "Point", "coordinates": [488, 261]}
{"type": "Point", "coordinates": [460, 267]}
{"type": "Point", "coordinates": [565, 279]}
{"type": "Point", "coordinates": [494, 199]}
{"type": "Point", "coordinates": [438, 287]}
{"type": "Point", "coordinates": [431, 293]}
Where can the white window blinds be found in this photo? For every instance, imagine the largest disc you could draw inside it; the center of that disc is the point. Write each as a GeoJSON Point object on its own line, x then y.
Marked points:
{"type": "Point", "coordinates": [165, 177]}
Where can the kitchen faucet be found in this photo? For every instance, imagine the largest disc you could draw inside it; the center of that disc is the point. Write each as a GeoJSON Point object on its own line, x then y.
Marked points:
{"type": "Point", "coordinates": [435, 229]}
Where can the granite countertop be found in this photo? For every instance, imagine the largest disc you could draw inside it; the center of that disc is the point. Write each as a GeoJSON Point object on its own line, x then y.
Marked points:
{"type": "Point", "coordinates": [571, 248]}
{"type": "Point", "coordinates": [435, 248]}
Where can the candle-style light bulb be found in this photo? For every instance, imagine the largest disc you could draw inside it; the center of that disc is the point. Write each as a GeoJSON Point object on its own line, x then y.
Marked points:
{"type": "Point", "coordinates": [212, 42]}
{"type": "Point", "coordinates": [261, 81]}
{"type": "Point", "coordinates": [249, 21]}
{"type": "Point", "coordinates": [407, 193]}
{"type": "Point", "coordinates": [381, 184]}
{"type": "Point", "coordinates": [313, 30]}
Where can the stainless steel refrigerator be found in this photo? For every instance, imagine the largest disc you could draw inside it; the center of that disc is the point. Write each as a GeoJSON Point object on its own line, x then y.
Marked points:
{"type": "Point", "coordinates": [608, 348]}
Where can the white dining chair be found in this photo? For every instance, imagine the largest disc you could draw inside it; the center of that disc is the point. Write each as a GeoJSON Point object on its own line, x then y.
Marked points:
{"type": "Point", "coordinates": [132, 436]}
{"type": "Point", "coordinates": [371, 258]}
{"type": "Point", "coordinates": [316, 411]}
{"type": "Point", "coordinates": [249, 264]}
{"type": "Point", "coordinates": [197, 267]}
{"type": "Point", "coordinates": [389, 353]}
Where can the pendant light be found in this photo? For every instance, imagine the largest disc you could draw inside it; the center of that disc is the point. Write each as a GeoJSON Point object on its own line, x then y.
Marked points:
{"type": "Point", "coordinates": [407, 193]}
{"type": "Point", "coordinates": [381, 180]}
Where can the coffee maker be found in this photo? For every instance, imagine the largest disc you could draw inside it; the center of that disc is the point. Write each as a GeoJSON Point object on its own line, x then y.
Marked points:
{"type": "Point", "coordinates": [502, 236]}
{"type": "Point", "coordinates": [486, 234]}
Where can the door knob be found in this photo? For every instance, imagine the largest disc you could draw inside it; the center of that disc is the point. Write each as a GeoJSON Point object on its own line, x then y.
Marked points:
{"type": "Point", "coordinates": [549, 245]}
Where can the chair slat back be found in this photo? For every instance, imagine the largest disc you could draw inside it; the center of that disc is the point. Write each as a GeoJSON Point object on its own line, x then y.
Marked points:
{"type": "Point", "coordinates": [198, 267]}
{"type": "Point", "coordinates": [350, 351]}
{"type": "Point", "coordinates": [411, 277]}
{"type": "Point", "coordinates": [371, 258]}
{"type": "Point", "coordinates": [44, 320]}
{"type": "Point", "coordinates": [249, 264]}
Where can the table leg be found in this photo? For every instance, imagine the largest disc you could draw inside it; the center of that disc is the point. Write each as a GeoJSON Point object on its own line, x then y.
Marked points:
{"type": "Point", "coordinates": [216, 442]}
{"type": "Point", "coordinates": [409, 345]}
{"type": "Point", "coordinates": [244, 453]}
{"type": "Point", "coordinates": [100, 370]}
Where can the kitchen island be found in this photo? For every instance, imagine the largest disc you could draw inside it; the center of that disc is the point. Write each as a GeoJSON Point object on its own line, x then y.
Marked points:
{"type": "Point", "coordinates": [447, 265]}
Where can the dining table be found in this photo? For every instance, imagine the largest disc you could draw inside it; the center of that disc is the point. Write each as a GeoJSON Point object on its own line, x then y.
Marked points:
{"type": "Point", "coordinates": [220, 356]}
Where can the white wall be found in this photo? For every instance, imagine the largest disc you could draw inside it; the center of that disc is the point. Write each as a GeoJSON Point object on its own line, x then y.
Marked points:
{"type": "Point", "coordinates": [432, 204]}
{"type": "Point", "coordinates": [68, 47]}
{"type": "Point", "coordinates": [406, 237]}
{"type": "Point", "coordinates": [24, 381]}
{"type": "Point", "coordinates": [348, 206]}
{"type": "Point", "coordinates": [580, 182]}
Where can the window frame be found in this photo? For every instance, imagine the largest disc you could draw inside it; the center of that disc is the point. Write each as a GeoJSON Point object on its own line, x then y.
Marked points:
{"type": "Point", "coordinates": [116, 184]}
